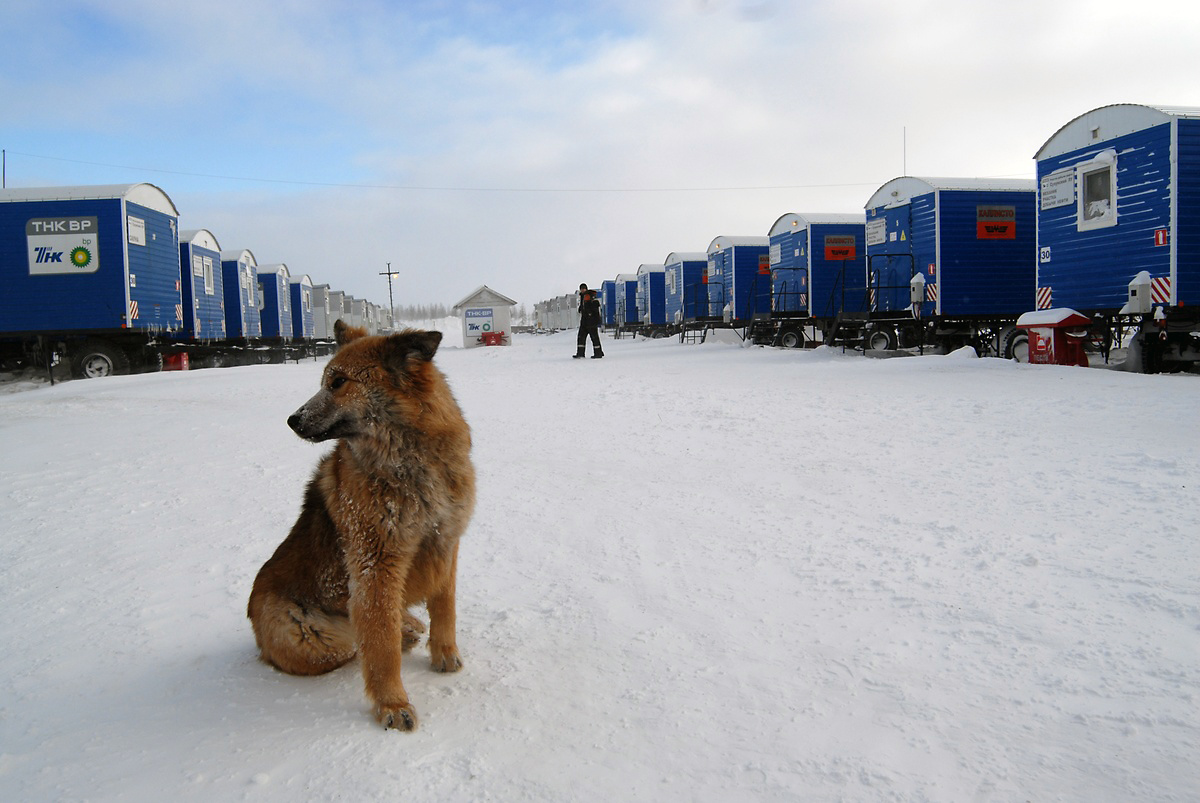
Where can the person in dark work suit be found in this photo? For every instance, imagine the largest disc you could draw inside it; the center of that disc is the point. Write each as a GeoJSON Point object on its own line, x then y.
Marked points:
{"type": "Point", "coordinates": [589, 323]}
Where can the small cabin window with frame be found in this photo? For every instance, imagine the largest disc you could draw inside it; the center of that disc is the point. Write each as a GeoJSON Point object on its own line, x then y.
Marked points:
{"type": "Point", "coordinates": [1097, 183]}
{"type": "Point", "coordinates": [247, 284]}
{"type": "Point", "coordinates": [209, 288]}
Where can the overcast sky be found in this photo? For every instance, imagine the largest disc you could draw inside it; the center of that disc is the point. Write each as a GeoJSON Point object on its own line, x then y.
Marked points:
{"type": "Point", "coordinates": [530, 146]}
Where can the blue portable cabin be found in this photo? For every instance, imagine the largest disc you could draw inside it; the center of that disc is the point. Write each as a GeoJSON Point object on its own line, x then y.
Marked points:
{"type": "Point", "coordinates": [1119, 194]}
{"type": "Point", "coordinates": [972, 240]}
{"type": "Point", "coordinates": [608, 302]}
{"type": "Point", "coordinates": [740, 269]}
{"type": "Point", "coordinates": [627, 311]}
{"type": "Point", "coordinates": [275, 301]}
{"type": "Point", "coordinates": [203, 290]}
{"type": "Point", "coordinates": [239, 274]}
{"type": "Point", "coordinates": [686, 273]}
{"type": "Point", "coordinates": [303, 310]}
{"type": "Point", "coordinates": [652, 294]}
{"type": "Point", "coordinates": [818, 264]}
{"type": "Point", "coordinates": [89, 259]}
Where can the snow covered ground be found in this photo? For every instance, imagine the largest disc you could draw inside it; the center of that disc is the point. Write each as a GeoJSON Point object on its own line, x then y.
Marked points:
{"type": "Point", "coordinates": [697, 572]}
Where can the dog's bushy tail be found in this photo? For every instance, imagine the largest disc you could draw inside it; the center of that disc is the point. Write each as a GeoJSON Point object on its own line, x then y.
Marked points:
{"type": "Point", "coordinates": [299, 640]}
{"type": "Point", "coordinates": [308, 641]}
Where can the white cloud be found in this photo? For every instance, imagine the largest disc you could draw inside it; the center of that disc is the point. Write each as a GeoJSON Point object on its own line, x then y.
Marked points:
{"type": "Point", "coordinates": [832, 98]}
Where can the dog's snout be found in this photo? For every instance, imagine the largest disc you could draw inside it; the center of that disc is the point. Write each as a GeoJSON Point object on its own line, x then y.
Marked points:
{"type": "Point", "coordinates": [294, 422]}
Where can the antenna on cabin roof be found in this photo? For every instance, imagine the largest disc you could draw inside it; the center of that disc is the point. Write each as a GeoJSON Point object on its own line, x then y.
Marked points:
{"type": "Point", "coordinates": [904, 152]}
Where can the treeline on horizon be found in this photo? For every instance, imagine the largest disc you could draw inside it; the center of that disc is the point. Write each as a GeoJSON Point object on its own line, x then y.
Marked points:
{"type": "Point", "coordinates": [434, 312]}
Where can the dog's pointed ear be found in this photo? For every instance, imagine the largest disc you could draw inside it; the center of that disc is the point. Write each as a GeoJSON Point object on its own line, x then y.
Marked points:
{"type": "Point", "coordinates": [342, 334]}
{"type": "Point", "coordinates": [400, 348]}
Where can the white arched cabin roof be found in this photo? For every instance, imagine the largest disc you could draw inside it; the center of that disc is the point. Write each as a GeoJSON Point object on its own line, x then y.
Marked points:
{"type": "Point", "coordinates": [142, 194]}
{"type": "Point", "coordinates": [201, 238]}
{"type": "Point", "coordinates": [902, 190]}
{"type": "Point", "coordinates": [240, 255]}
{"type": "Point", "coordinates": [1109, 122]}
{"type": "Point", "coordinates": [723, 242]}
{"type": "Point", "coordinates": [795, 221]}
{"type": "Point", "coordinates": [676, 257]}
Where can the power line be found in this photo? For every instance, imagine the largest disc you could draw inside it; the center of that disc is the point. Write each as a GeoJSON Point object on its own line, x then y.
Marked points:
{"type": "Point", "coordinates": [430, 188]}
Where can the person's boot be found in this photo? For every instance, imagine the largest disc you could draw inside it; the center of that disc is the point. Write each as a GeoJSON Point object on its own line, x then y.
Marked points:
{"type": "Point", "coordinates": [579, 354]}
{"type": "Point", "coordinates": [597, 355]}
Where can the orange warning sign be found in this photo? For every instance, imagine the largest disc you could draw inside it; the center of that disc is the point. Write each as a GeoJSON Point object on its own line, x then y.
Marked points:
{"type": "Point", "coordinates": [995, 223]}
{"type": "Point", "coordinates": [839, 247]}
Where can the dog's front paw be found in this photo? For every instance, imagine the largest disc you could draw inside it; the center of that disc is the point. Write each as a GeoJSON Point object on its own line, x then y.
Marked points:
{"type": "Point", "coordinates": [402, 716]}
{"type": "Point", "coordinates": [445, 659]}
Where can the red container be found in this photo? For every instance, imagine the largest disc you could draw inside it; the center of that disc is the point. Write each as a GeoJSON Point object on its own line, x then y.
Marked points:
{"type": "Point", "coordinates": [175, 362]}
{"type": "Point", "coordinates": [1056, 336]}
{"type": "Point", "coordinates": [493, 338]}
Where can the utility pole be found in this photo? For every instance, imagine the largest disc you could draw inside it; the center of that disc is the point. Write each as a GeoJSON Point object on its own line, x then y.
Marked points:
{"type": "Point", "coordinates": [391, 304]}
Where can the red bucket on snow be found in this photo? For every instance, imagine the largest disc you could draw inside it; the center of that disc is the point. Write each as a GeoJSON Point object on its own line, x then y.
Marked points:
{"type": "Point", "coordinates": [175, 362]}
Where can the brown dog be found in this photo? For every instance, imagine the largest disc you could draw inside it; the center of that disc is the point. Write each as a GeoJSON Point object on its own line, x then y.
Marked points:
{"type": "Point", "coordinates": [380, 523]}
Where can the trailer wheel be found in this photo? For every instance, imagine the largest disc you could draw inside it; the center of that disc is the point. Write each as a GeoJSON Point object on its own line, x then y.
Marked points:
{"type": "Point", "coordinates": [791, 339]}
{"type": "Point", "coordinates": [882, 339]}
{"type": "Point", "coordinates": [1146, 349]}
{"type": "Point", "coordinates": [1016, 346]}
{"type": "Point", "coordinates": [98, 358]}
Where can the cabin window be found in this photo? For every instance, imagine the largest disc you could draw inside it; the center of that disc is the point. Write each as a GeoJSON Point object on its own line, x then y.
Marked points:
{"type": "Point", "coordinates": [208, 276]}
{"type": "Point", "coordinates": [1097, 182]}
{"type": "Point", "coordinates": [249, 287]}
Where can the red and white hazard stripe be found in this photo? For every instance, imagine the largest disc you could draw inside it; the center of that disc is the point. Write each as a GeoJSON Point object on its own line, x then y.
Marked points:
{"type": "Point", "coordinates": [1044, 297]}
{"type": "Point", "coordinates": [133, 310]}
{"type": "Point", "coordinates": [1160, 290]}
{"type": "Point", "coordinates": [179, 312]}
{"type": "Point", "coordinates": [931, 292]}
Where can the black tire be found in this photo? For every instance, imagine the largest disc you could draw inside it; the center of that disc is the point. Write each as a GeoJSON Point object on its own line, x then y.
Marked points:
{"type": "Point", "coordinates": [1016, 346]}
{"type": "Point", "coordinates": [881, 339]}
{"type": "Point", "coordinates": [791, 339]}
{"type": "Point", "coordinates": [97, 358]}
{"type": "Point", "coordinates": [1151, 352]}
